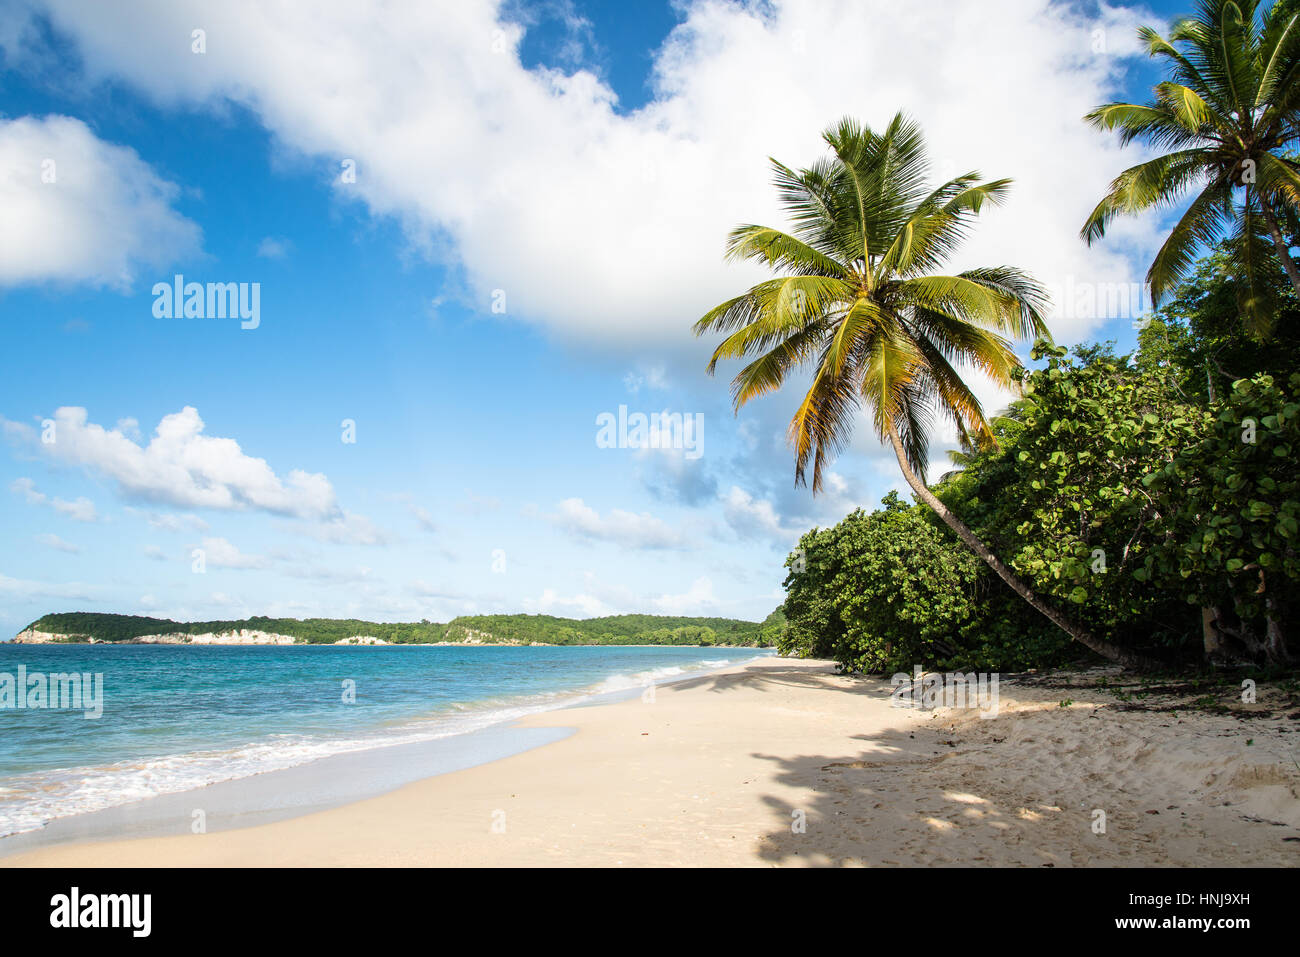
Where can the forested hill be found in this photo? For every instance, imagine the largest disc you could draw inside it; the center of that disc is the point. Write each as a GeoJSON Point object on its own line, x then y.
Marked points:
{"type": "Point", "coordinates": [471, 629]}
{"type": "Point", "coordinates": [614, 630]}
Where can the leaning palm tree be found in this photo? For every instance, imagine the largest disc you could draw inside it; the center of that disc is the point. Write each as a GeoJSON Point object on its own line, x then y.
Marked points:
{"type": "Point", "coordinates": [1227, 119]}
{"type": "Point", "coordinates": [860, 302]}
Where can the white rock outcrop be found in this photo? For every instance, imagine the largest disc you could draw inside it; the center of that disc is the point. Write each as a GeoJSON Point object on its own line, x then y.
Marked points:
{"type": "Point", "coordinates": [244, 636]}
{"type": "Point", "coordinates": [33, 637]}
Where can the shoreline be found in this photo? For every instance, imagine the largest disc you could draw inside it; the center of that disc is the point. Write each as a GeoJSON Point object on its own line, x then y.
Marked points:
{"type": "Point", "coordinates": [381, 644]}
{"type": "Point", "coordinates": [321, 784]}
{"type": "Point", "coordinates": [346, 775]}
{"type": "Point", "coordinates": [781, 762]}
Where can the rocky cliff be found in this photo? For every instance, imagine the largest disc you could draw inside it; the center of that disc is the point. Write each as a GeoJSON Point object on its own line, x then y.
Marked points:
{"type": "Point", "coordinates": [244, 636]}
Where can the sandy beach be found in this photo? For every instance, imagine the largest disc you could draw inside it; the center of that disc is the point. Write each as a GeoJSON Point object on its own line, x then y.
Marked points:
{"type": "Point", "coordinates": [783, 762]}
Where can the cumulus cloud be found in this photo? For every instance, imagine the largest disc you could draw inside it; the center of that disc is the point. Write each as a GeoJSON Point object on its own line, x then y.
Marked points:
{"type": "Point", "coordinates": [697, 599]}
{"type": "Point", "coordinates": [80, 509]}
{"type": "Point", "coordinates": [78, 209]}
{"type": "Point", "coordinates": [757, 518]}
{"type": "Point", "coordinates": [780, 519]}
{"type": "Point", "coordinates": [220, 553]}
{"type": "Point", "coordinates": [552, 602]}
{"type": "Point", "coordinates": [629, 529]}
{"type": "Point", "coordinates": [643, 200]}
{"type": "Point", "coordinates": [182, 466]}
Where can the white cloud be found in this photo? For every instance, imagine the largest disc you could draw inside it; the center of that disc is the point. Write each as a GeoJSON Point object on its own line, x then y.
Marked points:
{"type": "Point", "coordinates": [757, 518]}
{"type": "Point", "coordinates": [765, 519]}
{"type": "Point", "coordinates": [104, 215]}
{"type": "Point", "coordinates": [80, 509]}
{"type": "Point", "coordinates": [651, 377]}
{"type": "Point", "coordinates": [58, 544]}
{"type": "Point", "coordinates": [696, 600]}
{"type": "Point", "coordinates": [574, 606]}
{"type": "Point", "coordinates": [628, 529]}
{"type": "Point", "coordinates": [346, 528]}
{"type": "Point", "coordinates": [599, 599]}
{"type": "Point", "coordinates": [130, 427]}
{"type": "Point", "coordinates": [272, 248]}
{"type": "Point", "coordinates": [312, 571]}
{"type": "Point", "coordinates": [636, 206]}
{"type": "Point", "coordinates": [22, 589]}
{"type": "Point", "coordinates": [220, 553]}
{"type": "Point", "coordinates": [171, 522]}
{"type": "Point", "coordinates": [181, 466]}
{"type": "Point", "coordinates": [424, 518]}
{"type": "Point", "coordinates": [227, 606]}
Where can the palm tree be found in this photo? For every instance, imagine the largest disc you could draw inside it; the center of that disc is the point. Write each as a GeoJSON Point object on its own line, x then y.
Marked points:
{"type": "Point", "coordinates": [969, 446]}
{"type": "Point", "coordinates": [860, 303]}
{"type": "Point", "coordinates": [1227, 116]}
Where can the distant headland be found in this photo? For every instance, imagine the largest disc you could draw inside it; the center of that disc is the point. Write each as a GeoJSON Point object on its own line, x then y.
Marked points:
{"type": "Point", "coordinates": [101, 628]}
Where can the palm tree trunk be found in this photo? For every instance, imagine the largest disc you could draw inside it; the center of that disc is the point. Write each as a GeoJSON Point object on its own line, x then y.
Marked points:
{"type": "Point", "coordinates": [1279, 243]}
{"type": "Point", "coordinates": [1211, 642]}
{"type": "Point", "coordinates": [1101, 646]}
{"type": "Point", "coordinates": [1275, 642]}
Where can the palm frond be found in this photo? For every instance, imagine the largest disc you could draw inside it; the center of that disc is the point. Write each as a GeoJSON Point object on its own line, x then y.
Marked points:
{"type": "Point", "coordinates": [1154, 184]}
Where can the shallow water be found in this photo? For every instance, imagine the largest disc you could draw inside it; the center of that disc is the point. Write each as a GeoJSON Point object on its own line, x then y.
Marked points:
{"type": "Point", "coordinates": [179, 717]}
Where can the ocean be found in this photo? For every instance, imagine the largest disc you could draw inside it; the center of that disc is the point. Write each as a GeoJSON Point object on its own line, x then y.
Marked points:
{"type": "Point", "coordinates": [176, 717]}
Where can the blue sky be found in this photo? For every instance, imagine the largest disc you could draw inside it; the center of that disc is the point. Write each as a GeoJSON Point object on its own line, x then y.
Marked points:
{"type": "Point", "coordinates": [577, 163]}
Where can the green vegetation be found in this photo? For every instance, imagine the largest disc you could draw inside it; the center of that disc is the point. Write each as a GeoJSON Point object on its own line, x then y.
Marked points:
{"type": "Point", "coordinates": [1151, 493]}
{"type": "Point", "coordinates": [475, 629]}
{"type": "Point", "coordinates": [884, 590]}
{"type": "Point", "coordinates": [878, 591]}
{"type": "Point", "coordinates": [612, 630]}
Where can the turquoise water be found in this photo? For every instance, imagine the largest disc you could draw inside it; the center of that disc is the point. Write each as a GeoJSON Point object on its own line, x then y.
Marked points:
{"type": "Point", "coordinates": [178, 717]}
